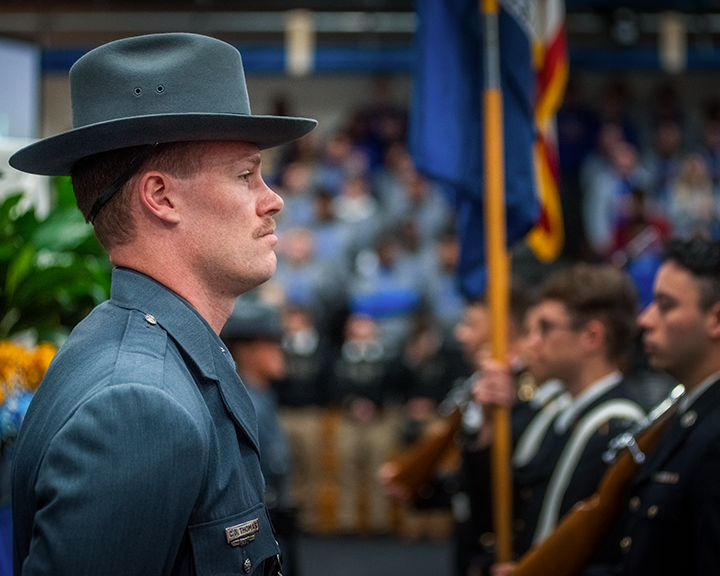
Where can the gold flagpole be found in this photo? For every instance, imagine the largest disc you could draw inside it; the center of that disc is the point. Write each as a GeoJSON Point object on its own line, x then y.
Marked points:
{"type": "Point", "coordinates": [497, 271]}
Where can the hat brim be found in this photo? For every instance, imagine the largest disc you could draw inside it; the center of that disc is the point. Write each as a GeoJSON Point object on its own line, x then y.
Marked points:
{"type": "Point", "coordinates": [55, 156]}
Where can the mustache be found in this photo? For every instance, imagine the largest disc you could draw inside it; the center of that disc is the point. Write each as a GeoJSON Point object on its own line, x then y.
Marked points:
{"type": "Point", "coordinates": [267, 228]}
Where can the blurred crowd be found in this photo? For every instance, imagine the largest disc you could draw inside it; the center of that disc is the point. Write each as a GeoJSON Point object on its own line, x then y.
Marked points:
{"type": "Point", "coordinates": [366, 290]}
{"type": "Point", "coordinates": [363, 231]}
{"type": "Point", "coordinates": [628, 184]}
{"type": "Point", "coordinates": [372, 323]}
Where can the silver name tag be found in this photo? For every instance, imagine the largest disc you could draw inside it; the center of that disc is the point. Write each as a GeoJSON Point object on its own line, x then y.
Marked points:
{"type": "Point", "coordinates": [242, 533]}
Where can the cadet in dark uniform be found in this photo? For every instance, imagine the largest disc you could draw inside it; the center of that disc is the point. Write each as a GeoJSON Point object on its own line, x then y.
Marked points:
{"type": "Point", "coordinates": [582, 328]}
{"type": "Point", "coordinates": [672, 520]}
{"type": "Point", "coordinates": [474, 531]}
{"type": "Point", "coordinates": [364, 384]}
{"type": "Point", "coordinates": [304, 396]}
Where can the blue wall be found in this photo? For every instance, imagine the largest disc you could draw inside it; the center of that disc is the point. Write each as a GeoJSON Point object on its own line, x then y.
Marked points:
{"type": "Point", "coordinates": [270, 59]}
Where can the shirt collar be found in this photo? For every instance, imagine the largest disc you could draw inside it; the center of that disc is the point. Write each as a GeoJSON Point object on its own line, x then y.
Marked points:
{"type": "Point", "coordinates": [133, 290]}
{"type": "Point", "coordinates": [546, 391]}
{"type": "Point", "coordinates": [695, 393]}
{"type": "Point", "coordinates": [589, 395]}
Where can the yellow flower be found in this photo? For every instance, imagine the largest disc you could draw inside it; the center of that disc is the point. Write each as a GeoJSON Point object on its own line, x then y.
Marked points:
{"type": "Point", "coordinates": [13, 363]}
{"type": "Point", "coordinates": [20, 369]}
{"type": "Point", "coordinates": [39, 362]}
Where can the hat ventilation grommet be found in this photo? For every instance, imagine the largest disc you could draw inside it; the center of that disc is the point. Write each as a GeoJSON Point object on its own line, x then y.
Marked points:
{"type": "Point", "coordinates": [160, 89]}
{"type": "Point", "coordinates": [137, 91]}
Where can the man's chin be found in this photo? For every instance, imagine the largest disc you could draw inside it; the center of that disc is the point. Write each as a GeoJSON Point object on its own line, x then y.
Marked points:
{"type": "Point", "coordinates": [656, 363]}
{"type": "Point", "coordinates": [246, 284]}
{"type": "Point", "coordinates": [652, 357]}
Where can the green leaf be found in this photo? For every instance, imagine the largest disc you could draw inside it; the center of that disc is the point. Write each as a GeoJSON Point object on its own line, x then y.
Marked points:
{"type": "Point", "coordinates": [65, 193]}
{"type": "Point", "coordinates": [8, 321]}
{"type": "Point", "coordinates": [6, 209]}
{"type": "Point", "coordinates": [19, 269]}
{"type": "Point", "coordinates": [63, 229]}
{"type": "Point", "coordinates": [55, 270]}
{"type": "Point", "coordinates": [10, 201]}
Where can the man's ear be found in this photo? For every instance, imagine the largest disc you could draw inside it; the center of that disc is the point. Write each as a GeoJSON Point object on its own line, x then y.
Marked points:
{"type": "Point", "coordinates": [713, 321]}
{"type": "Point", "coordinates": [594, 334]}
{"type": "Point", "coordinates": [156, 190]}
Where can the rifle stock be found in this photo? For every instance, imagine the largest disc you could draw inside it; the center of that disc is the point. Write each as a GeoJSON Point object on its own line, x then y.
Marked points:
{"type": "Point", "coordinates": [571, 545]}
{"type": "Point", "coordinates": [415, 467]}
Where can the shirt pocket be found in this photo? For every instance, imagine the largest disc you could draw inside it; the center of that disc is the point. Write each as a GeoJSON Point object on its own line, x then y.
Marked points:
{"type": "Point", "coordinates": [237, 544]}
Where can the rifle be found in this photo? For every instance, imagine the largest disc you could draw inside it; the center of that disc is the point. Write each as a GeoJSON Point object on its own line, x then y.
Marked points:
{"type": "Point", "coordinates": [414, 468]}
{"type": "Point", "coordinates": [582, 529]}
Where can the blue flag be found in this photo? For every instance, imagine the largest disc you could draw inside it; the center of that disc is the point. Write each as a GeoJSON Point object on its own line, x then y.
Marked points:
{"type": "Point", "coordinates": [446, 128]}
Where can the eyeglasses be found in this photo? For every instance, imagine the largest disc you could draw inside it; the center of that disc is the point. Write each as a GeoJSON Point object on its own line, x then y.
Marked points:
{"type": "Point", "coordinates": [545, 327]}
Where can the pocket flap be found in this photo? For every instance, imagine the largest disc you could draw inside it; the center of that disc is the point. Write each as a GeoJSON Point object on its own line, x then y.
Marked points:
{"type": "Point", "coordinates": [233, 545]}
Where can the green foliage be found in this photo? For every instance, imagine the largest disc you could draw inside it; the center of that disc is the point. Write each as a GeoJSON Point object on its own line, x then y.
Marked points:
{"type": "Point", "coordinates": [53, 270]}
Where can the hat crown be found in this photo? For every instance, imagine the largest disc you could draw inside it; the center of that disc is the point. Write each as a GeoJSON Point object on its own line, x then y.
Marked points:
{"type": "Point", "coordinates": [154, 89]}
{"type": "Point", "coordinates": [176, 73]}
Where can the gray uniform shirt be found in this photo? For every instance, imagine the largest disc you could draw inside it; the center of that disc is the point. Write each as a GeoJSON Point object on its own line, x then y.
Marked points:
{"type": "Point", "coordinates": [139, 452]}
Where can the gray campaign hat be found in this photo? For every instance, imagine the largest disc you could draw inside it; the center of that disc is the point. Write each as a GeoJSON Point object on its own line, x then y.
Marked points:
{"type": "Point", "coordinates": [154, 89]}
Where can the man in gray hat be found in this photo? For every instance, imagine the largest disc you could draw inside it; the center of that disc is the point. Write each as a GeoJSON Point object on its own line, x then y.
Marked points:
{"type": "Point", "coordinates": [139, 454]}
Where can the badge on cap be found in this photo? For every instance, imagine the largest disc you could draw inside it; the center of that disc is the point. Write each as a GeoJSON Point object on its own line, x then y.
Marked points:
{"type": "Point", "coordinates": [242, 534]}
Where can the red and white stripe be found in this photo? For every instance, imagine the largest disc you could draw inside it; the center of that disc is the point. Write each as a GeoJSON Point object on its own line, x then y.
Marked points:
{"type": "Point", "coordinates": [551, 65]}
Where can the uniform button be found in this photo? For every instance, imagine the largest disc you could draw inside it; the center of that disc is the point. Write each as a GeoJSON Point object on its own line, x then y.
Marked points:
{"type": "Point", "coordinates": [634, 504]}
{"type": "Point", "coordinates": [487, 539]}
{"type": "Point", "coordinates": [625, 544]}
{"type": "Point", "coordinates": [150, 319]}
{"type": "Point", "coordinates": [688, 419]}
{"type": "Point", "coordinates": [652, 511]}
{"type": "Point", "coordinates": [247, 565]}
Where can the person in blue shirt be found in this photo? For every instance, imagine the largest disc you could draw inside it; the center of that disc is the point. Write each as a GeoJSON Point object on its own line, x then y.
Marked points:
{"type": "Point", "coordinates": [139, 452]}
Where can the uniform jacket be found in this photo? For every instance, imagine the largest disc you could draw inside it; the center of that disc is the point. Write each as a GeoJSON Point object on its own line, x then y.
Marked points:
{"type": "Point", "coordinates": [672, 522]}
{"type": "Point", "coordinates": [274, 448]}
{"type": "Point", "coordinates": [139, 453]}
{"type": "Point", "coordinates": [474, 529]}
{"type": "Point", "coordinates": [568, 464]}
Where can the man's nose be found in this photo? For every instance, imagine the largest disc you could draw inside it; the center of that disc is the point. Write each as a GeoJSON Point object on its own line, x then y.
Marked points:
{"type": "Point", "coordinates": [645, 318]}
{"type": "Point", "coordinates": [270, 204]}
